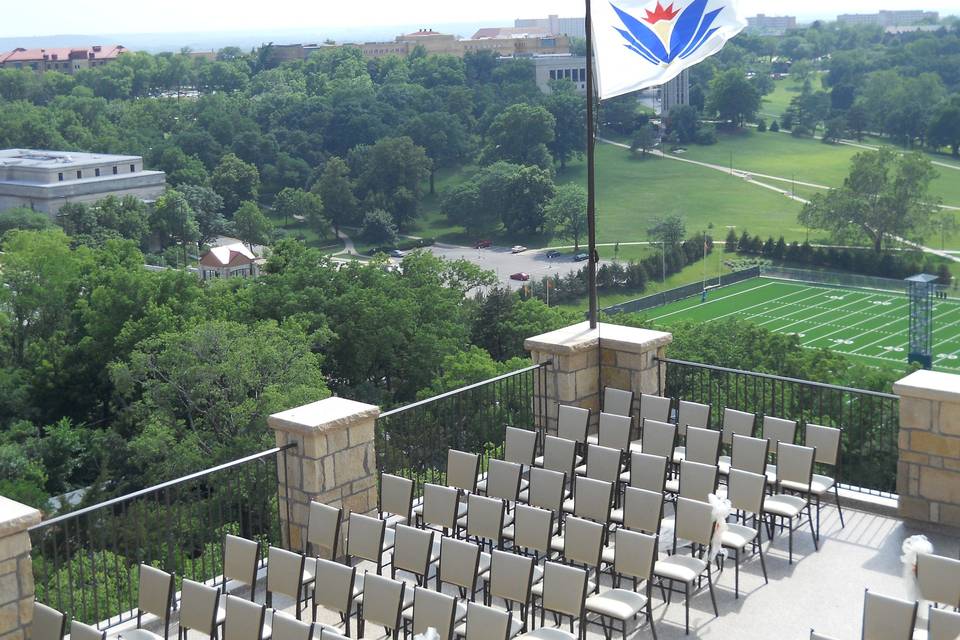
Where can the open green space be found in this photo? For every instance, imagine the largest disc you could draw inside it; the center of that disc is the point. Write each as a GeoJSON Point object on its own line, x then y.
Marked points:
{"type": "Point", "coordinates": [864, 324]}
{"type": "Point", "coordinates": [776, 103]}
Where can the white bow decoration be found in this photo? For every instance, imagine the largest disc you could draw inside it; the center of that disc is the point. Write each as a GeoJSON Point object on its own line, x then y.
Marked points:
{"type": "Point", "coordinates": [913, 546]}
{"type": "Point", "coordinates": [429, 634]}
{"type": "Point", "coordinates": [721, 511]}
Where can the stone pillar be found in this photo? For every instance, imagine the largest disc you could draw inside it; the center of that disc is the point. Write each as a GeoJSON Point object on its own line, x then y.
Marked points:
{"type": "Point", "coordinates": [928, 470]}
{"type": "Point", "coordinates": [576, 377]}
{"type": "Point", "coordinates": [16, 569]}
{"type": "Point", "coordinates": [334, 461]}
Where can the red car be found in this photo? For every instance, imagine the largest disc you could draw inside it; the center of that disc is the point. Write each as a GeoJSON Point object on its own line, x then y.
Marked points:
{"type": "Point", "coordinates": [522, 277]}
{"type": "Point", "coordinates": [482, 244]}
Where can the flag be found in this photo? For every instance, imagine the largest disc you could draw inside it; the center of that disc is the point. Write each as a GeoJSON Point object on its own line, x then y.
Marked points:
{"type": "Point", "coordinates": [642, 43]}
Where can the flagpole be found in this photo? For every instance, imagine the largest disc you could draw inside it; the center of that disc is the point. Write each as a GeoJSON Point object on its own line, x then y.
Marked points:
{"type": "Point", "coordinates": [591, 181]}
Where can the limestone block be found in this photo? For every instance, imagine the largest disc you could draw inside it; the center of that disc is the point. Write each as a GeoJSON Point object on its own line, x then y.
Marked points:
{"type": "Point", "coordinates": [9, 617]}
{"type": "Point", "coordinates": [350, 465]}
{"type": "Point", "coordinates": [915, 413]}
{"type": "Point", "coordinates": [933, 444]}
{"type": "Point", "coordinates": [949, 419]}
{"type": "Point", "coordinates": [941, 485]}
{"type": "Point", "coordinates": [587, 383]}
{"type": "Point", "coordinates": [913, 508]}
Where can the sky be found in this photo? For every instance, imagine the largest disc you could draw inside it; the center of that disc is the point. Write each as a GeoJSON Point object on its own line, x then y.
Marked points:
{"type": "Point", "coordinates": [21, 19]}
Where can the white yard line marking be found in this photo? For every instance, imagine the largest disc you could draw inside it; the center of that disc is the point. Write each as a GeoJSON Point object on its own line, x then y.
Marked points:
{"type": "Point", "coordinates": [759, 304]}
{"type": "Point", "coordinates": [732, 295]}
{"type": "Point", "coordinates": [835, 309]}
{"type": "Point", "coordinates": [855, 324]}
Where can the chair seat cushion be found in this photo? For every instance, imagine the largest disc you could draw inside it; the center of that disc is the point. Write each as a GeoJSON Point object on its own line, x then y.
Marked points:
{"type": "Point", "coordinates": [723, 465]}
{"type": "Point", "coordinates": [484, 565]}
{"type": "Point", "coordinates": [143, 634]}
{"type": "Point", "coordinates": [636, 446]}
{"type": "Point", "coordinates": [581, 470]}
{"type": "Point", "coordinates": [616, 515]}
{"type": "Point", "coordinates": [556, 543]}
{"type": "Point", "coordinates": [389, 535]}
{"type": "Point", "coordinates": [309, 570]}
{"type": "Point", "coordinates": [771, 473]}
{"type": "Point", "coordinates": [679, 454]}
{"type": "Point", "coordinates": [784, 505]}
{"type": "Point", "coordinates": [682, 568]}
{"type": "Point", "coordinates": [608, 554]}
{"type": "Point", "coordinates": [819, 485]}
{"type": "Point", "coordinates": [672, 486]}
{"type": "Point", "coordinates": [625, 477]}
{"type": "Point", "coordinates": [549, 633]}
{"type": "Point", "coordinates": [621, 604]}
{"type": "Point", "coordinates": [738, 536]}
{"type": "Point", "coordinates": [569, 505]}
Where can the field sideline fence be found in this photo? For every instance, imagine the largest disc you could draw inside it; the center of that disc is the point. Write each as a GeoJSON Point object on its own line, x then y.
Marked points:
{"type": "Point", "coordinates": [832, 278]}
{"type": "Point", "coordinates": [680, 293]}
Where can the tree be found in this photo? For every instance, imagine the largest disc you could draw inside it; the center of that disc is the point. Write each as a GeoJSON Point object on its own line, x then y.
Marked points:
{"type": "Point", "coordinates": [761, 126]}
{"type": "Point", "coordinates": [775, 126]}
{"type": "Point", "coordinates": [252, 226]}
{"type": "Point", "coordinates": [732, 97]}
{"type": "Point", "coordinates": [567, 211]}
{"type": "Point", "coordinates": [379, 228]}
{"type": "Point", "coordinates": [336, 193]}
{"type": "Point", "coordinates": [527, 195]}
{"type": "Point", "coordinates": [886, 195]}
{"type": "Point", "coordinates": [730, 246]}
{"type": "Point", "coordinates": [236, 181]}
{"type": "Point", "coordinates": [174, 219]}
{"type": "Point", "coordinates": [22, 218]}
{"type": "Point", "coordinates": [834, 129]}
{"type": "Point", "coordinates": [207, 206]}
{"type": "Point", "coordinates": [502, 322]}
{"type": "Point", "coordinates": [444, 137]}
{"type": "Point", "coordinates": [520, 135]}
{"type": "Point", "coordinates": [683, 120]}
{"type": "Point", "coordinates": [306, 205]}
{"type": "Point", "coordinates": [569, 112]}
{"type": "Point", "coordinates": [670, 230]}
{"type": "Point", "coordinates": [644, 140]}
{"type": "Point", "coordinates": [391, 177]}
{"type": "Point", "coordinates": [945, 127]}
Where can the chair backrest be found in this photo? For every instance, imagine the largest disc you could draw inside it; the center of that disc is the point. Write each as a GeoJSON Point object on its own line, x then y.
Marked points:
{"type": "Point", "coordinates": [333, 587]}
{"type": "Point", "coordinates": [582, 541]}
{"type": "Point", "coordinates": [156, 593]}
{"type": "Point", "coordinates": [433, 609]}
{"type": "Point", "coordinates": [778, 430]}
{"type": "Point", "coordinates": [329, 633]}
{"type": "Point", "coordinates": [440, 506]}
{"type": "Point", "coordinates": [520, 446]}
{"type": "Point", "coordinates": [503, 479]}
{"type": "Point", "coordinates": [365, 538]}
{"type": "Point", "coordinates": [592, 499]}
{"type": "Point", "coordinates": [737, 422]}
{"type": "Point", "coordinates": [81, 631]}
{"type": "Point", "coordinates": [795, 464]}
{"type": "Point", "coordinates": [485, 518]}
{"type": "Point", "coordinates": [286, 627]}
{"type": "Point", "coordinates": [697, 481]}
{"type": "Point", "coordinates": [694, 521]}
{"type": "Point", "coordinates": [634, 554]}
{"type": "Point", "coordinates": [564, 589]}
{"type": "Point", "coordinates": [462, 470]}
{"type": "Point", "coordinates": [749, 453]}
{"type": "Point", "coordinates": [826, 440]}
{"type": "Point", "coordinates": [572, 423]}
{"type": "Point", "coordinates": [942, 625]}
{"type": "Point", "coordinates": [692, 414]}
{"type": "Point", "coordinates": [746, 490]}
{"type": "Point", "coordinates": [642, 510]}
{"type": "Point", "coordinates": [382, 601]}
{"type": "Point", "coordinates": [285, 570]}
{"type": "Point", "coordinates": [887, 618]}
{"type": "Point", "coordinates": [603, 463]}
{"type": "Point", "coordinates": [618, 402]}
{"type": "Point", "coordinates": [703, 445]}
{"type": "Point", "coordinates": [244, 619]}
{"type": "Point", "coordinates": [648, 471]}
{"type": "Point", "coordinates": [396, 496]}
{"type": "Point", "coordinates": [459, 562]}
{"type": "Point", "coordinates": [240, 558]}
{"type": "Point", "coordinates": [198, 607]}
{"type": "Point", "coordinates": [654, 408]}
{"type": "Point", "coordinates": [659, 437]}
{"type": "Point", "coordinates": [411, 549]}
{"type": "Point", "coordinates": [559, 454]}
{"type": "Point", "coordinates": [547, 488]}
{"type": "Point", "coordinates": [614, 431]}
{"type": "Point", "coordinates": [532, 528]}
{"type": "Point", "coordinates": [48, 623]}
{"type": "Point", "coordinates": [511, 577]}
{"type": "Point", "coordinates": [487, 623]}
{"type": "Point", "coordinates": [939, 579]}
{"type": "Point", "coordinates": [323, 529]}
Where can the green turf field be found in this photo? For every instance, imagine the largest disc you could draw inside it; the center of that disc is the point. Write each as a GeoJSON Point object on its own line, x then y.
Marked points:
{"type": "Point", "coordinates": [869, 325]}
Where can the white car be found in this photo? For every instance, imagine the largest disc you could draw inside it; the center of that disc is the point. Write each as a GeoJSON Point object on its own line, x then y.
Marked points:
{"type": "Point", "coordinates": [518, 249]}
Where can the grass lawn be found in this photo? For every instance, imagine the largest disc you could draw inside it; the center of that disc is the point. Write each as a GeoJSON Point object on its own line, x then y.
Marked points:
{"type": "Point", "coordinates": [775, 104]}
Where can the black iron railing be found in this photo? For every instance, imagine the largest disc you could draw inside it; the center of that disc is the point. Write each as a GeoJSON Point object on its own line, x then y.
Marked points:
{"type": "Point", "coordinates": [412, 441]}
{"type": "Point", "coordinates": [870, 420]}
{"type": "Point", "coordinates": [86, 562]}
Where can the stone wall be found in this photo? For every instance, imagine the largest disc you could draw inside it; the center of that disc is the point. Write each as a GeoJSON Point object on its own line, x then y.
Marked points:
{"type": "Point", "coordinates": [334, 461]}
{"type": "Point", "coordinates": [576, 376]}
{"type": "Point", "coordinates": [16, 569]}
{"type": "Point", "coordinates": [928, 470]}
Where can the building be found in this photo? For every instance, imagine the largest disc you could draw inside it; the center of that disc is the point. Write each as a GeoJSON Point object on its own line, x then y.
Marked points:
{"type": "Point", "coordinates": [561, 67]}
{"type": "Point", "coordinates": [902, 18]}
{"type": "Point", "coordinates": [571, 27]}
{"type": "Point", "coordinates": [771, 25]}
{"type": "Point", "coordinates": [68, 60]}
{"type": "Point", "coordinates": [675, 93]}
{"type": "Point", "coordinates": [230, 261]}
{"type": "Point", "coordinates": [47, 180]}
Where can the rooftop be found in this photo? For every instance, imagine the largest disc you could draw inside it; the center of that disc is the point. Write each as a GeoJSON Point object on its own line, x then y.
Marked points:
{"type": "Point", "coordinates": [225, 256]}
{"type": "Point", "coordinates": [42, 159]}
{"type": "Point", "coordinates": [95, 52]}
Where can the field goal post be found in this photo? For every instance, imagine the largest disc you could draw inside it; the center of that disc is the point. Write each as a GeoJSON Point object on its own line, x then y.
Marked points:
{"type": "Point", "coordinates": [920, 290]}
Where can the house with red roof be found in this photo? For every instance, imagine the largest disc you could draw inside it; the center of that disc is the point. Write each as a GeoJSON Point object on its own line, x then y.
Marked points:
{"type": "Point", "coordinates": [230, 261]}
{"type": "Point", "coordinates": [69, 60]}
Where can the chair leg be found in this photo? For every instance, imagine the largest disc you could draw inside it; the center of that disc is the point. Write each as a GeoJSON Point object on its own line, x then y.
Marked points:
{"type": "Point", "coordinates": [815, 533]}
{"type": "Point", "coordinates": [653, 630]}
{"type": "Point", "coordinates": [836, 493]}
{"type": "Point", "coordinates": [686, 605]}
{"type": "Point", "coordinates": [736, 574]}
{"type": "Point", "coordinates": [713, 598]}
{"type": "Point", "coordinates": [791, 541]}
{"type": "Point", "coordinates": [763, 564]}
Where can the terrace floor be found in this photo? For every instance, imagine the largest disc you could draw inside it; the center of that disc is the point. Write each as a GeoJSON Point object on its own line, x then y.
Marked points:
{"type": "Point", "coordinates": [823, 589]}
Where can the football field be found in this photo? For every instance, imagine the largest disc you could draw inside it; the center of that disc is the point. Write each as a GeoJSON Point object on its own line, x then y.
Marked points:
{"type": "Point", "coordinates": [870, 325]}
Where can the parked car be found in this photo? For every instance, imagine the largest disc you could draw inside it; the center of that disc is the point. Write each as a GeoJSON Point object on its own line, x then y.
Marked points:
{"type": "Point", "coordinates": [396, 253]}
{"type": "Point", "coordinates": [482, 244]}
{"type": "Point", "coordinates": [580, 257]}
{"type": "Point", "coordinates": [518, 248]}
{"type": "Point", "coordinates": [522, 277]}
{"type": "Point", "coordinates": [553, 253]}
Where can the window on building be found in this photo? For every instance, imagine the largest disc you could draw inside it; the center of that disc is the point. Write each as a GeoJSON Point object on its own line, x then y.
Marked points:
{"type": "Point", "coordinates": [115, 171]}
{"type": "Point", "coordinates": [96, 172]}
{"type": "Point", "coordinates": [60, 177]}
{"type": "Point", "coordinates": [583, 75]}
{"type": "Point", "coordinates": [553, 74]}
{"type": "Point", "coordinates": [133, 168]}
{"type": "Point", "coordinates": [79, 174]}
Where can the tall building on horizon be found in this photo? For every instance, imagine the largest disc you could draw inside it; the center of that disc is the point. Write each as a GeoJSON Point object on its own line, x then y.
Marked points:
{"type": "Point", "coordinates": [762, 24]}
{"type": "Point", "coordinates": [555, 25]}
{"type": "Point", "coordinates": [903, 18]}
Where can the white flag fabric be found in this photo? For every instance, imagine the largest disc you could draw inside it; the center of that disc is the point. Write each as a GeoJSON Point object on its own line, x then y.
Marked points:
{"type": "Point", "coordinates": [642, 43]}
